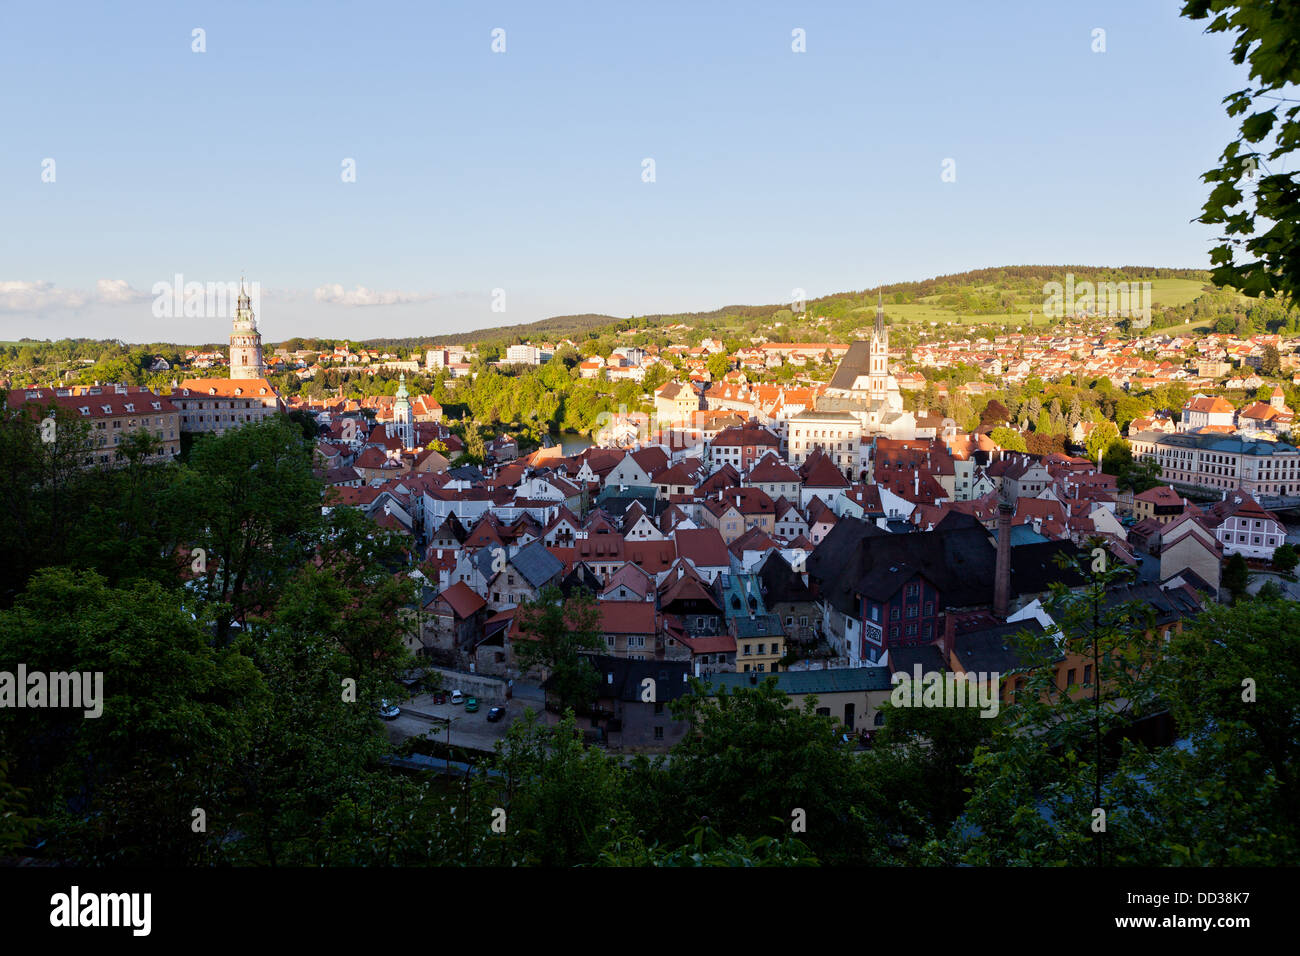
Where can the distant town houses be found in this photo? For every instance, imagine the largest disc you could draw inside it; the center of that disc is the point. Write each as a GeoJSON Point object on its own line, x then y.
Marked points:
{"type": "Point", "coordinates": [736, 562]}
{"type": "Point", "coordinates": [823, 531]}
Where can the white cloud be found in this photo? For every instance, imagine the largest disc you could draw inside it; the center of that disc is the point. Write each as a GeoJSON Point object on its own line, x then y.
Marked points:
{"type": "Point", "coordinates": [335, 294]}
{"type": "Point", "coordinates": [19, 296]}
{"type": "Point", "coordinates": [117, 292]}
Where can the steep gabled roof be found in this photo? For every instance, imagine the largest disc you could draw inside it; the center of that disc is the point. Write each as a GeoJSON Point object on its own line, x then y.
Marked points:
{"type": "Point", "coordinates": [856, 362]}
{"type": "Point", "coordinates": [536, 564]}
{"type": "Point", "coordinates": [770, 469]}
{"type": "Point", "coordinates": [651, 459]}
{"type": "Point", "coordinates": [820, 472]}
{"type": "Point", "coordinates": [462, 600]}
{"type": "Point", "coordinates": [703, 546]}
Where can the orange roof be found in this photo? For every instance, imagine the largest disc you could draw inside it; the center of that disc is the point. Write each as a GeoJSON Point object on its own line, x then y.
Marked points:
{"type": "Point", "coordinates": [1215, 404]}
{"type": "Point", "coordinates": [226, 387]}
{"type": "Point", "coordinates": [462, 599]}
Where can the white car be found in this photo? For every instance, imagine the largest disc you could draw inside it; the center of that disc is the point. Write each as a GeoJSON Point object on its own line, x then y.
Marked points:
{"type": "Point", "coordinates": [388, 711]}
{"type": "Point", "coordinates": [457, 697]}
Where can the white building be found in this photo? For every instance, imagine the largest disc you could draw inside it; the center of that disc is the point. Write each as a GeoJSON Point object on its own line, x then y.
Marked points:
{"type": "Point", "coordinates": [1246, 528]}
{"type": "Point", "coordinates": [1222, 462]}
{"type": "Point", "coordinates": [525, 355]}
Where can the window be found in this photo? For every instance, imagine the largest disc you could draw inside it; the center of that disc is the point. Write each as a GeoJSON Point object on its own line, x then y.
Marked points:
{"type": "Point", "coordinates": [893, 614]}
{"type": "Point", "coordinates": [1069, 677]}
{"type": "Point", "coordinates": [929, 608]}
{"type": "Point", "coordinates": [659, 732]}
{"type": "Point", "coordinates": [1087, 674]}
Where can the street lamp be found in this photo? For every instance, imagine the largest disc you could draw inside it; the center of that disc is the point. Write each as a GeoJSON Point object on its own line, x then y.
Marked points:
{"type": "Point", "coordinates": [450, 720]}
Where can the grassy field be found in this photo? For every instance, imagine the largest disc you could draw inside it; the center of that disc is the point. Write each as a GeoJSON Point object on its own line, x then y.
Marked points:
{"type": "Point", "coordinates": [1164, 292]}
{"type": "Point", "coordinates": [922, 313]}
{"type": "Point", "coordinates": [1174, 292]}
{"type": "Point", "coordinates": [1186, 328]}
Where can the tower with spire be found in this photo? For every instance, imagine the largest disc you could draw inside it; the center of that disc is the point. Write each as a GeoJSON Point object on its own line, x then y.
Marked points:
{"type": "Point", "coordinates": [245, 341]}
{"type": "Point", "coordinates": [402, 414]}
{"type": "Point", "coordinates": [878, 364]}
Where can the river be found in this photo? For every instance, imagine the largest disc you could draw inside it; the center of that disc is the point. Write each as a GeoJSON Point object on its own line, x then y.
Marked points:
{"type": "Point", "coordinates": [572, 442]}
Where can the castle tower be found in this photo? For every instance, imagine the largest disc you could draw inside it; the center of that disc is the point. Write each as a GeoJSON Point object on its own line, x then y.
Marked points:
{"type": "Point", "coordinates": [878, 368]}
{"type": "Point", "coordinates": [402, 414]}
{"type": "Point", "coordinates": [245, 341]}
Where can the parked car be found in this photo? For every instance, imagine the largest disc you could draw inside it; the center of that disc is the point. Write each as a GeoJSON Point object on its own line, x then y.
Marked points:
{"type": "Point", "coordinates": [457, 697]}
{"type": "Point", "coordinates": [471, 705]}
{"type": "Point", "coordinates": [440, 698]}
{"type": "Point", "coordinates": [496, 713]}
{"type": "Point", "coordinates": [388, 711]}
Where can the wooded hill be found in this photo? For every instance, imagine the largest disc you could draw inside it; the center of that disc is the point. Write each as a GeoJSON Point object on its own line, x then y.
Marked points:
{"type": "Point", "coordinates": [960, 297]}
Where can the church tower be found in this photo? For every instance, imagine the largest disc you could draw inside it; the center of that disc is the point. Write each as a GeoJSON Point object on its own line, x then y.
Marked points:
{"type": "Point", "coordinates": [245, 341]}
{"type": "Point", "coordinates": [878, 366]}
{"type": "Point", "coordinates": [402, 414]}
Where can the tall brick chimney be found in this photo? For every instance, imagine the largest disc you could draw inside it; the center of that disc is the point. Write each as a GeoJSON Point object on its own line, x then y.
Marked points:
{"type": "Point", "coordinates": [1002, 573]}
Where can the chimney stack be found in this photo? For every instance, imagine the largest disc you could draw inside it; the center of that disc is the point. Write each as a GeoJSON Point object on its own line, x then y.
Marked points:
{"type": "Point", "coordinates": [949, 634]}
{"type": "Point", "coordinates": [1002, 572]}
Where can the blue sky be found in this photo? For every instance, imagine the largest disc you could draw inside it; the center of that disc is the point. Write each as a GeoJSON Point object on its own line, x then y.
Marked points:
{"type": "Point", "coordinates": [522, 170]}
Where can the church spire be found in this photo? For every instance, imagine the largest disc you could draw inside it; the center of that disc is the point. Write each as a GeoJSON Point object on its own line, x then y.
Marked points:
{"type": "Point", "coordinates": [880, 312]}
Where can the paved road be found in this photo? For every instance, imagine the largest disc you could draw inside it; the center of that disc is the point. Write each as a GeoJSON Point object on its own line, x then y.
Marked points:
{"type": "Point", "coordinates": [421, 717]}
{"type": "Point", "coordinates": [1289, 588]}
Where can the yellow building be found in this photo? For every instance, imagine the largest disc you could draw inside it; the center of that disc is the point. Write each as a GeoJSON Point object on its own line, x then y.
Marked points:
{"type": "Point", "coordinates": [849, 695]}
